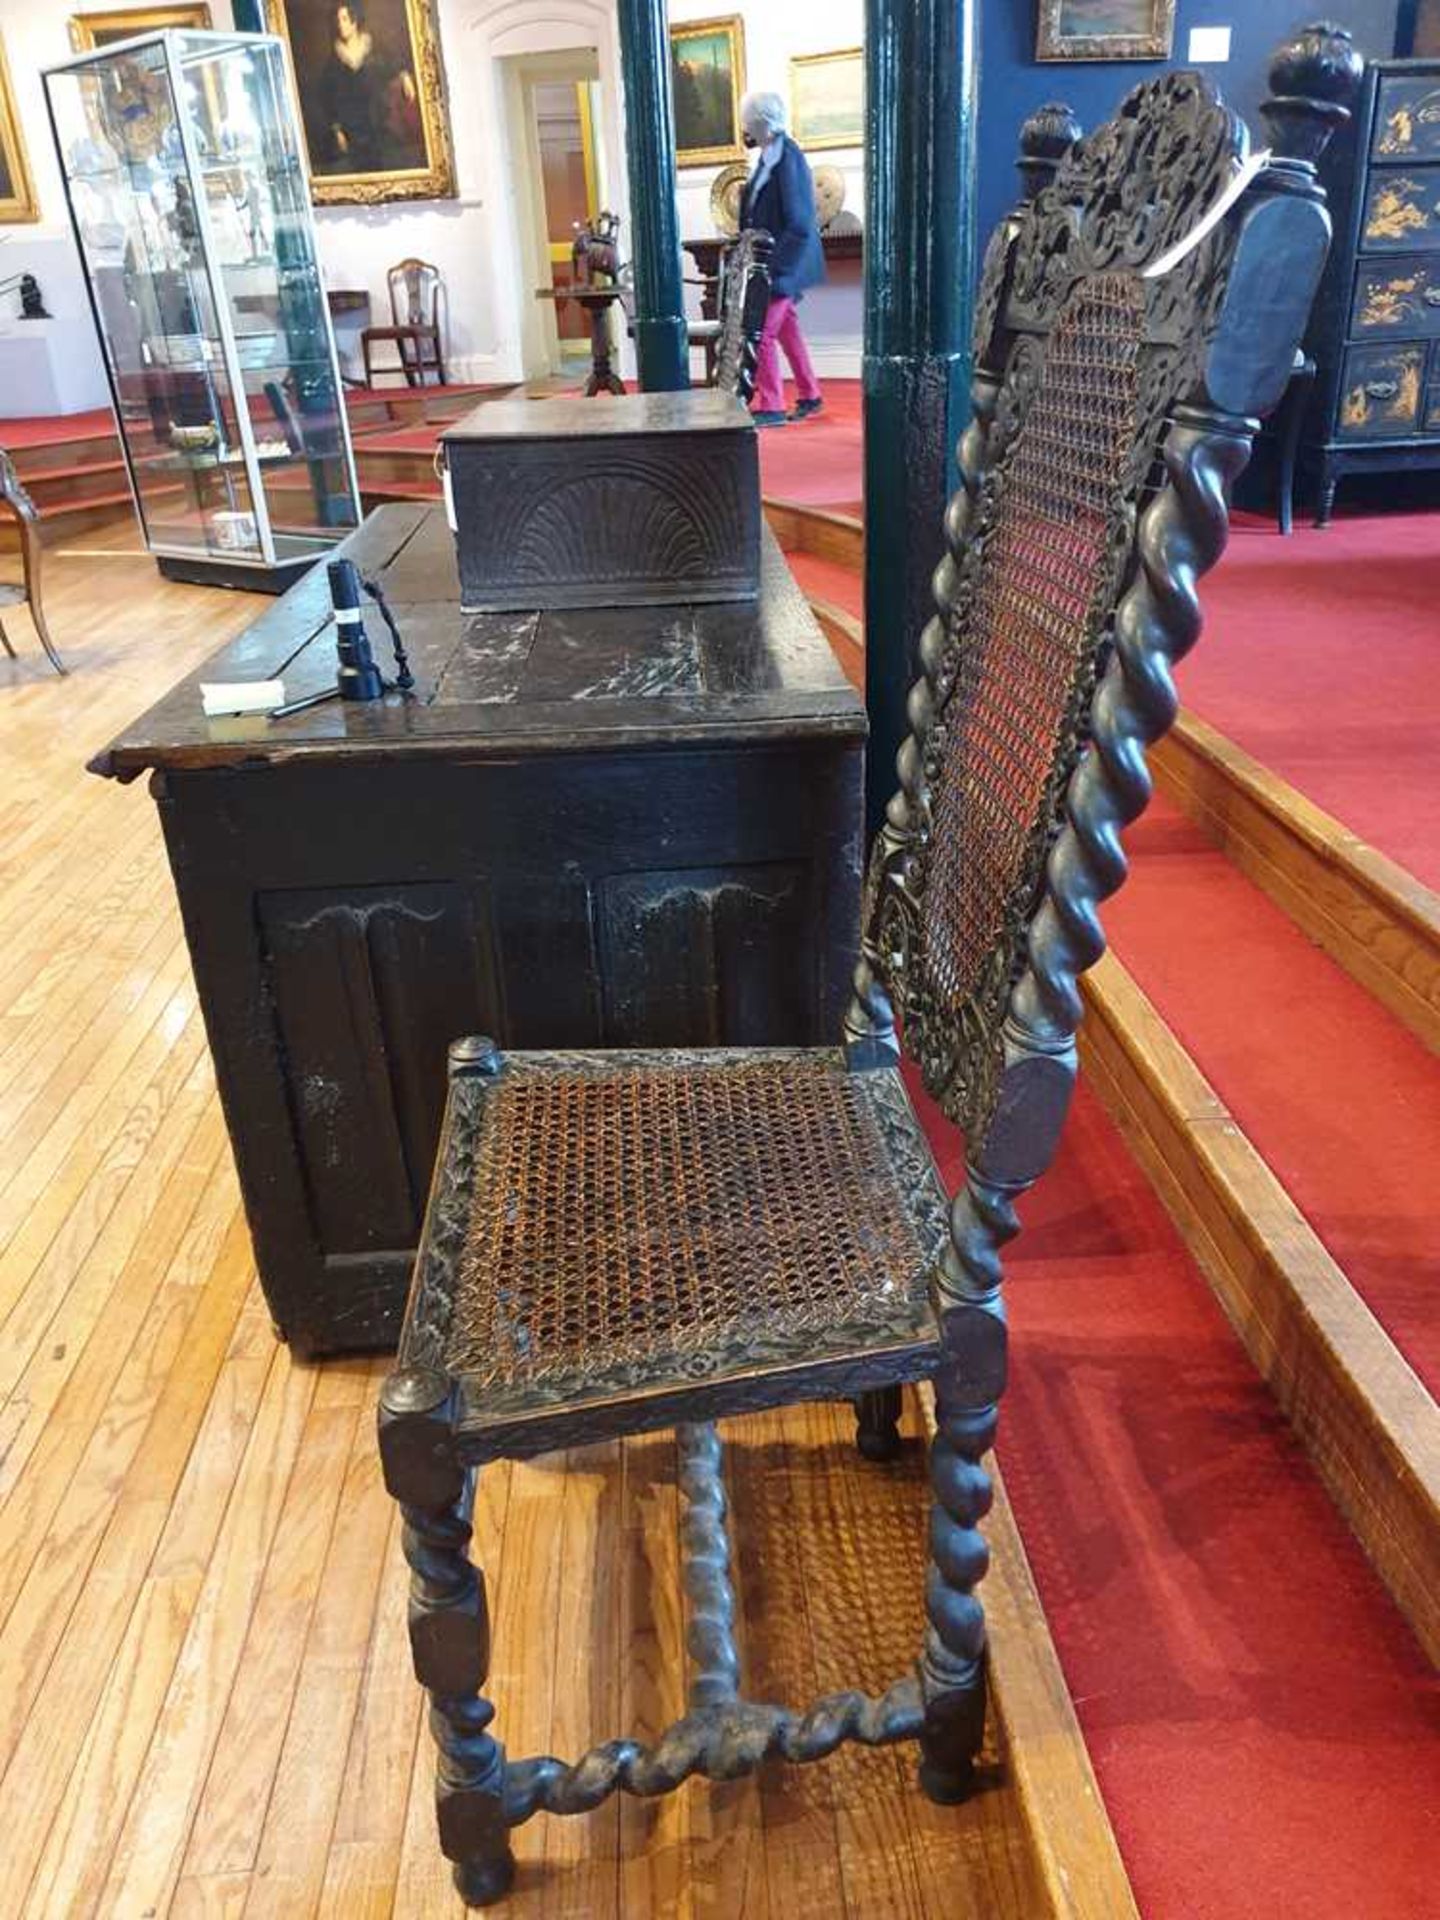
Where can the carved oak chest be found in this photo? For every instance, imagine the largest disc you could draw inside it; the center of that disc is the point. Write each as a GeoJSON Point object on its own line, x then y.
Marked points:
{"type": "Point", "coordinates": [608, 828]}
{"type": "Point", "coordinates": [636, 500]}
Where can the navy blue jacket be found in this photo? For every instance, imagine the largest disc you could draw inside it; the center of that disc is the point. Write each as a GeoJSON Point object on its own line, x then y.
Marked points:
{"type": "Point", "coordinates": [785, 209]}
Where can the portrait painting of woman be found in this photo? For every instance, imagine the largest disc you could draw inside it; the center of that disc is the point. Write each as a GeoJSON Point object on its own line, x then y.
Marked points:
{"type": "Point", "coordinates": [372, 98]}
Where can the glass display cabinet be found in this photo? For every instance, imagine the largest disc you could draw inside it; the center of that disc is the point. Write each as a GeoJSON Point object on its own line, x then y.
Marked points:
{"type": "Point", "coordinates": [187, 190]}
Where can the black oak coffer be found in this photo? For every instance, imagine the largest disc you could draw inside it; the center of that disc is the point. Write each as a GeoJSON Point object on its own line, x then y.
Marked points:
{"type": "Point", "coordinates": [643, 500]}
{"type": "Point", "coordinates": [603, 828]}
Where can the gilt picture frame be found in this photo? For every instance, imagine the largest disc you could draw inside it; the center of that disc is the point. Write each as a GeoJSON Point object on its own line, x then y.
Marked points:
{"type": "Point", "coordinates": [91, 30]}
{"type": "Point", "coordinates": [370, 87]}
{"type": "Point", "coordinates": [707, 79]}
{"type": "Point", "coordinates": [1105, 30]}
{"type": "Point", "coordinates": [18, 203]}
{"type": "Point", "coordinates": [827, 99]}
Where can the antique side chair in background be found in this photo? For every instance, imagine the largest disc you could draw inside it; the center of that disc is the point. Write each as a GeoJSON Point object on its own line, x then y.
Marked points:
{"type": "Point", "coordinates": [622, 1241]}
{"type": "Point", "coordinates": [417, 329]}
{"type": "Point", "coordinates": [16, 501]}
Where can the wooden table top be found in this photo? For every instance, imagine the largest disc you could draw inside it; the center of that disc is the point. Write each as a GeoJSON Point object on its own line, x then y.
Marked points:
{"type": "Point", "coordinates": [491, 684]}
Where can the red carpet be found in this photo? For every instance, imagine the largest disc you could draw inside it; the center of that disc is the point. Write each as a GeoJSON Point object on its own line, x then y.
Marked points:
{"type": "Point", "coordinates": [1339, 1098]}
{"type": "Point", "coordinates": [818, 462]}
{"type": "Point", "coordinates": [1320, 659]}
{"type": "Point", "coordinates": [49, 430]}
{"type": "Point", "coordinates": [1262, 1723]}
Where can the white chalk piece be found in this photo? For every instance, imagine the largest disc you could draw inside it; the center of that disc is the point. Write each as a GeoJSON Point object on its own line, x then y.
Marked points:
{"type": "Point", "coordinates": [240, 696]}
{"type": "Point", "coordinates": [1210, 45]}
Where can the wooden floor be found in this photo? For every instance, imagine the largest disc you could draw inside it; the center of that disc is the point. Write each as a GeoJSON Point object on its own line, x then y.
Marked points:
{"type": "Point", "coordinates": [205, 1699]}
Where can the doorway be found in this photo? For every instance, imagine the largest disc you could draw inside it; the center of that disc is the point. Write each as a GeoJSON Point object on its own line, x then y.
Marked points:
{"type": "Point", "coordinates": [559, 185]}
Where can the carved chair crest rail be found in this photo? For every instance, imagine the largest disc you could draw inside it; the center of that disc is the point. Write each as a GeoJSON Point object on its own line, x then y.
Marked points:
{"type": "Point", "coordinates": [622, 1241]}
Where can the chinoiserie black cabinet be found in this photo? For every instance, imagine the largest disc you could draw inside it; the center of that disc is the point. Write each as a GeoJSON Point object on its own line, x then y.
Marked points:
{"type": "Point", "coordinates": [1375, 336]}
{"type": "Point", "coordinates": [612, 827]}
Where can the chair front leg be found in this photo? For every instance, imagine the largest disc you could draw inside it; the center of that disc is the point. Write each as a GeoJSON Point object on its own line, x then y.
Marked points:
{"type": "Point", "coordinates": [449, 1627]}
{"type": "Point", "coordinates": [952, 1668]}
{"type": "Point", "coordinates": [450, 1646]}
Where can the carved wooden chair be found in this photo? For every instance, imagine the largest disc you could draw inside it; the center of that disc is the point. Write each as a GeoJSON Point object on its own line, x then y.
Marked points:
{"type": "Point", "coordinates": [732, 340]}
{"type": "Point", "coordinates": [417, 293]}
{"type": "Point", "coordinates": [622, 1241]}
{"type": "Point", "coordinates": [17, 501]}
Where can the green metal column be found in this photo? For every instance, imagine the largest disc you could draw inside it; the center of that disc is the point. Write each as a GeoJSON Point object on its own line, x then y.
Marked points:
{"type": "Point", "coordinates": [922, 74]}
{"type": "Point", "coordinates": [660, 333]}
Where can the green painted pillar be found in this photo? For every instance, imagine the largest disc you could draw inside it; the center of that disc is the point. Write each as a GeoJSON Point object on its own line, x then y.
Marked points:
{"type": "Point", "coordinates": [922, 76]}
{"type": "Point", "coordinates": [660, 332]}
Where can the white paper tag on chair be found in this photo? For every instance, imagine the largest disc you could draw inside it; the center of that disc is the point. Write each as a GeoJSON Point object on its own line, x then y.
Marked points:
{"type": "Point", "coordinates": [1244, 174]}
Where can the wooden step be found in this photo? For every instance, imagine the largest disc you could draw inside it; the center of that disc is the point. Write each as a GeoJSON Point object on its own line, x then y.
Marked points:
{"type": "Point", "coordinates": [838, 537]}
{"type": "Point", "coordinates": [61, 456]}
{"type": "Point", "coordinates": [1369, 914]}
{"type": "Point", "coordinates": [1367, 1421]}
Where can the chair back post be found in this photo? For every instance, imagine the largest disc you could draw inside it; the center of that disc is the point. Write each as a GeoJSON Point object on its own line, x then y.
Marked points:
{"type": "Point", "coordinates": [1220, 288]}
{"type": "Point", "coordinates": [744, 303]}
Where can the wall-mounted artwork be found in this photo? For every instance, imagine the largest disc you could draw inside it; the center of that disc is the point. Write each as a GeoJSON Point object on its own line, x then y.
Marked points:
{"type": "Point", "coordinates": [827, 98]}
{"type": "Point", "coordinates": [91, 30]}
{"type": "Point", "coordinates": [1105, 30]}
{"type": "Point", "coordinates": [17, 190]}
{"type": "Point", "coordinates": [372, 98]}
{"type": "Point", "coordinates": [707, 78]}
{"type": "Point", "coordinates": [1417, 30]}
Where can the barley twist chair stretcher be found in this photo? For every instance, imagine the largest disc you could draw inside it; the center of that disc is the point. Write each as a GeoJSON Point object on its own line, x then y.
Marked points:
{"type": "Point", "coordinates": [622, 1241]}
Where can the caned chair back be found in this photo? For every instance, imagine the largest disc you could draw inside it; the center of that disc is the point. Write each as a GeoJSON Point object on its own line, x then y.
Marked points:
{"type": "Point", "coordinates": [1129, 326]}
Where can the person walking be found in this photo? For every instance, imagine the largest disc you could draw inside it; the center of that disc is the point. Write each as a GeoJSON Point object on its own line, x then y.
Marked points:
{"type": "Point", "coordinates": [779, 199]}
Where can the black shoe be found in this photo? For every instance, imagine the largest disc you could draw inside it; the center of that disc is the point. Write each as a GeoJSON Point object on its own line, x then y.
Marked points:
{"type": "Point", "coordinates": [804, 408]}
{"type": "Point", "coordinates": [770, 419]}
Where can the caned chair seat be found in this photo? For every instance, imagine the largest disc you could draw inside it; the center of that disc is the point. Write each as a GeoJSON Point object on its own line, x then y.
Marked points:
{"type": "Point", "coordinates": [611, 1230]}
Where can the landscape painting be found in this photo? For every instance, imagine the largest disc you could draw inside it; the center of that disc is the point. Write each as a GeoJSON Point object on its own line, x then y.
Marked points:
{"type": "Point", "coordinates": [1105, 30]}
{"type": "Point", "coordinates": [827, 98]}
{"type": "Point", "coordinates": [707, 78]}
{"type": "Point", "coordinates": [372, 98]}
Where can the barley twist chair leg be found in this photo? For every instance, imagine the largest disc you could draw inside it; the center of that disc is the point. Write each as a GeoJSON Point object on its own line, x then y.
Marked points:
{"type": "Point", "coordinates": [952, 1668]}
{"type": "Point", "coordinates": [450, 1644]}
{"type": "Point", "coordinates": [877, 1423]}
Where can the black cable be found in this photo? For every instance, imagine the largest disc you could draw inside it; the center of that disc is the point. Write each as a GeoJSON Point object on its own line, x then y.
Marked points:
{"type": "Point", "coordinates": [404, 679]}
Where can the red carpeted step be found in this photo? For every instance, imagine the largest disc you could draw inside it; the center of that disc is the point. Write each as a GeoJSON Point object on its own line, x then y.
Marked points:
{"type": "Point", "coordinates": [1319, 658]}
{"type": "Point", "coordinates": [1262, 1723]}
{"type": "Point", "coordinates": [829, 581]}
{"type": "Point", "coordinates": [1339, 1098]}
{"type": "Point", "coordinates": [46, 430]}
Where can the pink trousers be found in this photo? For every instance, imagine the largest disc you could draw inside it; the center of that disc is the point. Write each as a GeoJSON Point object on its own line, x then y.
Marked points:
{"type": "Point", "coordinates": [782, 329]}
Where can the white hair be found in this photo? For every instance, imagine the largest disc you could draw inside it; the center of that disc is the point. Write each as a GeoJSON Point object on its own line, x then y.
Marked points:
{"type": "Point", "coordinates": [763, 113]}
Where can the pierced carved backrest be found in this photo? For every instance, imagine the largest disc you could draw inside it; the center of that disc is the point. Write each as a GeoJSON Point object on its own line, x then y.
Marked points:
{"type": "Point", "coordinates": [1084, 358]}
{"type": "Point", "coordinates": [415, 293]}
{"type": "Point", "coordinates": [744, 301]}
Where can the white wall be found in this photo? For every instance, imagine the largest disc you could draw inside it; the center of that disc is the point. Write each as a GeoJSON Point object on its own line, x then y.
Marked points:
{"type": "Point", "coordinates": [36, 36]}
{"type": "Point", "coordinates": [775, 30]}
{"type": "Point", "coordinates": [475, 239]}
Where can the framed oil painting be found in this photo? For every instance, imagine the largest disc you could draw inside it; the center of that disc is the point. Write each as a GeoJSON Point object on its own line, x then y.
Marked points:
{"type": "Point", "coordinates": [1105, 30]}
{"type": "Point", "coordinates": [1417, 30]}
{"type": "Point", "coordinates": [17, 190]}
{"type": "Point", "coordinates": [707, 78]}
{"type": "Point", "coordinates": [827, 98]}
{"type": "Point", "coordinates": [371, 92]}
{"type": "Point", "coordinates": [91, 30]}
